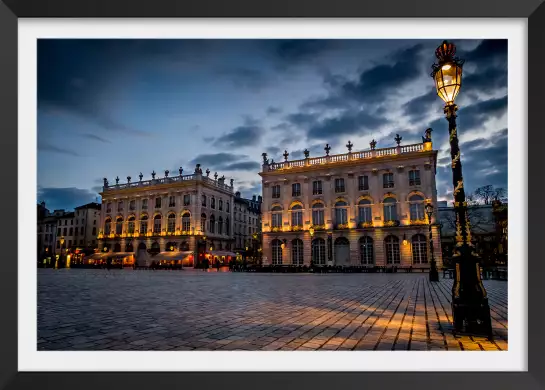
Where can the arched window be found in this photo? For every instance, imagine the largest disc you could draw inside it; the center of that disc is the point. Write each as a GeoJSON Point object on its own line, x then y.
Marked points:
{"type": "Point", "coordinates": [341, 213]}
{"type": "Point", "coordinates": [276, 217]}
{"type": "Point", "coordinates": [108, 226]}
{"type": "Point", "coordinates": [220, 225]}
{"type": "Point", "coordinates": [144, 224]}
{"type": "Point", "coordinates": [276, 246]}
{"type": "Point", "coordinates": [157, 224]}
{"type": "Point", "coordinates": [318, 251]}
{"type": "Point", "coordinates": [212, 222]}
{"type": "Point", "coordinates": [120, 206]}
{"type": "Point", "coordinates": [186, 221]}
{"type": "Point", "coordinates": [131, 226]}
{"type": "Point", "coordinates": [318, 214]}
{"type": "Point", "coordinates": [416, 207]}
{"type": "Point", "coordinates": [297, 252]}
{"type": "Point", "coordinates": [220, 204]}
{"type": "Point", "coordinates": [297, 216]}
{"type": "Point", "coordinates": [420, 250]}
{"type": "Point", "coordinates": [390, 209]}
{"type": "Point", "coordinates": [119, 225]}
{"type": "Point", "coordinates": [203, 198]}
{"type": "Point", "coordinates": [364, 211]}
{"type": "Point", "coordinates": [213, 202]}
{"type": "Point", "coordinates": [203, 222]}
{"type": "Point", "coordinates": [366, 250]}
{"type": "Point", "coordinates": [227, 226]}
{"type": "Point", "coordinates": [171, 223]}
{"type": "Point", "coordinates": [392, 250]}
{"type": "Point", "coordinates": [227, 206]}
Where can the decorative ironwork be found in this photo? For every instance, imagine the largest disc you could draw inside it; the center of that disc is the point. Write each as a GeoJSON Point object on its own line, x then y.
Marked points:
{"type": "Point", "coordinates": [391, 223]}
{"type": "Point", "coordinates": [306, 153]}
{"type": "Point", "coordinates": [349, 145]}
{"type": "Point", "coordinates": [166, 172]}
{"type": "Point", "coordinates": [181, 171]}
{"type": "Point", "coordinates": [445, 53]}
{"type": "Point", "coordinates": [341, 226]}
{"type": "Point", "coordinates": [117, 180]}
{"type": "Point", "coordinates": [265, 160]}
{"type": "Point", "coordinates": [207, 172]}
{"type": "Point", "coordinates": [327, 149]}
{"type": "Point", "coordinates": [215, 176]}
{"type": "Point", "coordinates": [398, 139]}
{"type": "Point", "coordinates": [232, 180]}
{"type": "Point", "coordinates": [365, 225]}
{"type": "Point", "coordinates": [140, 176]}
{"type": "Point", "coordinates": [455, 159]}
{"type": "Point", "coordinates": [286, 154]}
{"type": "Point", "coordinates": [427, 135]}
{"type": "Point", "coordinates": [128, 179]}
{"type": "Point", "coordinates": [105, 182]}
{"type": "Point", "coordinates": [153, 174]}
{"type": "Point", "coordinates": [373, 144]}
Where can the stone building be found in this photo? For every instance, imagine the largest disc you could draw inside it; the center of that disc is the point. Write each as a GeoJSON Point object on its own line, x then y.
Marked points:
{"type": "Point", "coordinates": [247, 217]}
{"type": "Point", "coordinates": [47, 232]}
{"type": "Point", "coordinates": [182, 218]}
{"type": "Point", "coordinates": [359, 208]}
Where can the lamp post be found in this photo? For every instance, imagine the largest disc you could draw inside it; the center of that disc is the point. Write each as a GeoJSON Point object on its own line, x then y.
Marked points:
{"type": "Point", "coordinates": [470, 307]}
{"type": "Point", "coordinates": [60, 258]}
{"type": "Point", "coordinates": [434, 274]}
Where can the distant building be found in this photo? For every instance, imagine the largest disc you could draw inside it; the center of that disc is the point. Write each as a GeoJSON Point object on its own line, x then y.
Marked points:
{"type": "Point", "coordinates": [189, 216]}
{"type": "Point", "coordinates": [247, 217]}
{"type": "Point", "coordinates": [365, 208]}
{"type": "Point", "coordinates": [47, 232]}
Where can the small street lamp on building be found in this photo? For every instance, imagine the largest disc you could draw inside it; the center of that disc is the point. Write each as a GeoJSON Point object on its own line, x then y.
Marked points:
{"type": "Point", "coordinates": [434, 274]}
{"type": "Point", "coordinates": [470, 308]}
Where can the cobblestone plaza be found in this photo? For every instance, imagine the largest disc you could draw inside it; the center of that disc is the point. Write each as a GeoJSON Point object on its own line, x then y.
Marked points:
{"type": "Point", "coordinates": [196, 310]}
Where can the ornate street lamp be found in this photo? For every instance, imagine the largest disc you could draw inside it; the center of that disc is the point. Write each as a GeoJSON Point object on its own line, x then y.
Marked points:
{"type": "Point", "coordinates": [470, 307]}
{"type": "Point", "coordinates": [434, 274]}
{"type": "Point", "coordinates": [311, 232]}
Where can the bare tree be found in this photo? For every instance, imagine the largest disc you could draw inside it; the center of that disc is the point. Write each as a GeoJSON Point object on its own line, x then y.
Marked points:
{"type": "Point", "coordinates": [500, 194]}
{"type": "Point", "coordinates": [485, 194]}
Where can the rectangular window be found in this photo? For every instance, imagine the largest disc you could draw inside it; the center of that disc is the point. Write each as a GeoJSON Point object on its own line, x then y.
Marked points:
{"type": "Point", "coordinates": [69, 243]}
{"type": "Point", "coordinates": [317, 187]}
{"type": "Point", "coordinates": [363, 183]}
{"type": "Point", "coordinates": [277, 220]}
{"type": "Point", "coordinates": [297, 218]}
{"type": "Point", "coordinates": [339, 185]}
{"type": "Point", "coordinates": [341, 216]}
{"type": "Point", "coordinates": [132, 205]}
{"type": "Point", "coordinates": [157, 225]}
{"type": "Point", "coordinates": [318, 217]}
{"type": "Point", "coordinates": [414, 177]}
{"type": "Point", "coordinates": [77, 221]}
{"type": "Point", "coordinates": [388, 180]}
{"type": "Point", "coordinates": [94, 222]}
{"type": "Point", "coordinates": [71, 222]}
{"type": "Point", "coordinates": [276, 191]}
{"type": "Point", "coordinates": [296, 189]}
{"type": "Point", "coordinates": [81, 242]}
{"type": "Point", "coordinates": [94, 231]}
{"type": "Point", "coordinates": [144, 204]}
{"type": "Point", "coordinates": [187, 199]}
{"type": "Point", "coordinates": [157, 203]}
{"type": "Point", "coordinates": [58, 231]}
{"type": "Point", "coordinates": [81, 230]}
{"type": "Point", "coordinates": [109, 208]}
{"type": "Point", "coordinates": [171, 201]}
{"type": "Point", "coordinates": [58, 244]}
{"type": "Point", "coordinates": [120, 206]}
{"type": "Point", "coordinates": [64, 231]}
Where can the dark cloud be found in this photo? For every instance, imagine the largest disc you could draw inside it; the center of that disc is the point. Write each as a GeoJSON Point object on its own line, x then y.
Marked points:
{"type": "Point", "coordinates": [273, 110]}
{"type": "Point", "coordinates": [296, 50]}
{"type": "Point", "coordinates": [242, 166]}
{"type": "Point", "coordinates": [248, 189]}
{"type": "Point", "coordinates": [95, 137]}
{"type": "Point", "coordinates": [490, 52]}
{"type": "Point", "coordinates": [488, 81]}
{"type": "Point", "coordinates": [474, 116]}
{"type": "Point", "coordinates": [240, 136]}
{"type": "Point", "coordinates": [418, 108]}
{"type": "Point", "coordinates": [377, 82]}
{"type": "Point", "coordinates": [227, 162]}
{"type": "Point", "coordinates": [65, 198]}
{"type": "Point", "coordinates": [302, 120]}
{"type": "Point", "coordinates": [356, 123]}
{"type": "Point", "coordinates": [45, 147]}
{"type": "Point", "coordinates": [251, 79]}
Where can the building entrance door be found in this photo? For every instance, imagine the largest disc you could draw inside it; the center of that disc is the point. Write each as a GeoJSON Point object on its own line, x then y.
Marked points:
{"type": "Point", "coordinates": [342, 251]}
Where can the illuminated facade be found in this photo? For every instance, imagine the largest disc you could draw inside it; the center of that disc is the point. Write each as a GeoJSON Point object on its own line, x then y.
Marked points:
{"type": "Point", "coordinates": [182, 213]}
{"type": "Point", "coordinates": [247, 217]}
{"type": "Point", "coordinates": [363, 208]}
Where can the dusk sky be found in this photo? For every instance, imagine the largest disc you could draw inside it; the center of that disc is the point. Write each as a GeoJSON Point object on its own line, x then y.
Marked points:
{"type": "Point", "coordinates": [110, 108]}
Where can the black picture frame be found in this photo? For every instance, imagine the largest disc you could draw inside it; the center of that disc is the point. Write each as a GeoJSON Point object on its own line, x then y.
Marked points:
{"type": "Point", "coordinates": [11, 10]}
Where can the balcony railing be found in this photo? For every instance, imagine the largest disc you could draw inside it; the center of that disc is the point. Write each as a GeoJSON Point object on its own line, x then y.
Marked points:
{"type": "Point", "coordinates": [361, 155]}
{"type": "Point", "coordinates": [391, 223]}
{"type": "Point", "coordinates": [167, 180]}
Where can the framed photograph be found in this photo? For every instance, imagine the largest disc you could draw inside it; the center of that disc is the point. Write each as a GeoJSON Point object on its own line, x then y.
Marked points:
{"type": "Point", "coordinates": [309, 192]}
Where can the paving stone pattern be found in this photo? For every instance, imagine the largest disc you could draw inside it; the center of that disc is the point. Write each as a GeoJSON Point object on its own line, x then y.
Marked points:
{"type": "Point", "coordinates": [196, 310]}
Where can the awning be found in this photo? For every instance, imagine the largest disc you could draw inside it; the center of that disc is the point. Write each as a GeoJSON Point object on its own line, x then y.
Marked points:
{"type": "Point", "coordinates": [221, 253]}
{"type": "Point", "coordinates": [119, 254]}
{"type": "Point", "coordinates": [171, 255]}
{"type": "Point", "coordinates": [96, 256]}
